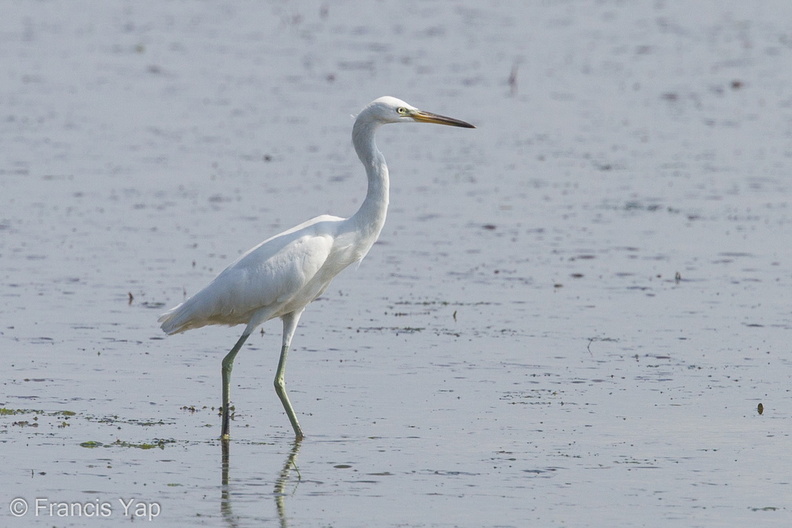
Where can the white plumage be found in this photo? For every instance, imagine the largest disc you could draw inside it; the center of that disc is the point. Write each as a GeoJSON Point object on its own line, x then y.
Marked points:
{"type": "Point", "coordinates": [276, 277]}
{"type": "Point", "coordinates": [283, 274]}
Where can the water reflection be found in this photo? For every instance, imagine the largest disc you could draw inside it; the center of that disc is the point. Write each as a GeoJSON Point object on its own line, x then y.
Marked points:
{"type": "Point", "coordinates": [283, 479]}
{"type": "Point", "coordinates": [279, 491]}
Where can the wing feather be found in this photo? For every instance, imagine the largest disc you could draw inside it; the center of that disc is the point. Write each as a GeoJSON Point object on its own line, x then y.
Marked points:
{"type": "Point", "coordinates": [272, 275]}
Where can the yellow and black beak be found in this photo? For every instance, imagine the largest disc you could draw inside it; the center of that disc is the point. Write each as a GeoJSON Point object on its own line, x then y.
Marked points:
{"type": "Point", "coordinates": [428, 117]}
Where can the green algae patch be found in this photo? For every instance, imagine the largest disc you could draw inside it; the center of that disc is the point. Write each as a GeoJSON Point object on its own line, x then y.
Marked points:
{"type": "Point", "coordinates": [14, 412]}
{"type": "Point", "coordinates": [156, 443]}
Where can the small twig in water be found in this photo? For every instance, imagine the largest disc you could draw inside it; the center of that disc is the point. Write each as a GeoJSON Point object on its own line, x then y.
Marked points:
{"type": "Point", "coordinates": [592, 339]}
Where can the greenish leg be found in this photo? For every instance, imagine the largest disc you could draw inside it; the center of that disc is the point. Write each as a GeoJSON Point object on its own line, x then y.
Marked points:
{"type": "Point", "coordinates": [289, 326]}
{"type": "Point", "coordinates": [228, 365]}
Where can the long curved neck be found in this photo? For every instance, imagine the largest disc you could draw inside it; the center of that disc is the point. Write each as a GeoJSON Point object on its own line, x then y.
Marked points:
{"type": "Point", "coordinates": [370, 218]}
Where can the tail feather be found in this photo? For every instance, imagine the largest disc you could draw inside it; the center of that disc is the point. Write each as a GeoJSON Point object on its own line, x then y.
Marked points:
{"type": "Point", "coordinates": [171, 323]}
{"type": "Point", "coordinates": [181, 318]}
{"type": "Point", "coordinates": [197, 311]}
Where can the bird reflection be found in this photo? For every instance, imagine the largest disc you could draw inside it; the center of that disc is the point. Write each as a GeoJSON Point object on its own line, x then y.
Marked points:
{"type": "Point", "coordinates": [279, 491]}
{"type": "Point", "coordinates": [225, 497]}
{"type": "Point", "coordinates": [283, 479]}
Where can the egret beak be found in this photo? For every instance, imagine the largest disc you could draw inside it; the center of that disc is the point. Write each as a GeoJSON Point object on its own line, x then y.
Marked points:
{"type": "Point", "coordinates": [428, 117]}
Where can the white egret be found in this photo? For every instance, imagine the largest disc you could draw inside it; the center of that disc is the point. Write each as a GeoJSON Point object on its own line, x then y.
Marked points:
{"type": "Point", "coordinates": [283, 274]}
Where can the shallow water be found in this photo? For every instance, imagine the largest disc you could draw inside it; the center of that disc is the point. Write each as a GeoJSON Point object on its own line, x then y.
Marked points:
{"type": "Point", "coordinates": [571, 318]}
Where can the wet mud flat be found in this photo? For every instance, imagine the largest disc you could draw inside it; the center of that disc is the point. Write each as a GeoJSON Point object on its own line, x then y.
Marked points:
{"type": "Point", "coordinates": [576, 316]}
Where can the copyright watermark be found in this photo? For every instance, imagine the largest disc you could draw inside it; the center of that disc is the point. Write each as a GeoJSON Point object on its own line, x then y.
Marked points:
{"type": "Point", "coordinates": [42, 507]}
{"type": "Point", "coordinates": [18, 507]}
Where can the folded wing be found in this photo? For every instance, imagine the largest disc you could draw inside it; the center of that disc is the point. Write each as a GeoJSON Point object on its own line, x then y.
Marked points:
{"type": "Point", "coordinates": [266, 282]}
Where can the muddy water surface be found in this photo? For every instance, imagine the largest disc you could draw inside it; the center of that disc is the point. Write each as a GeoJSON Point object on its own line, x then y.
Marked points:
{"type": "Point", "coordinates": [571, 319]}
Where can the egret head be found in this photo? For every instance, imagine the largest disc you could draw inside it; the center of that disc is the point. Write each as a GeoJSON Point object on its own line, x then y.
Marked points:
{"type": "Point", "coordinates": [391, 110]}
